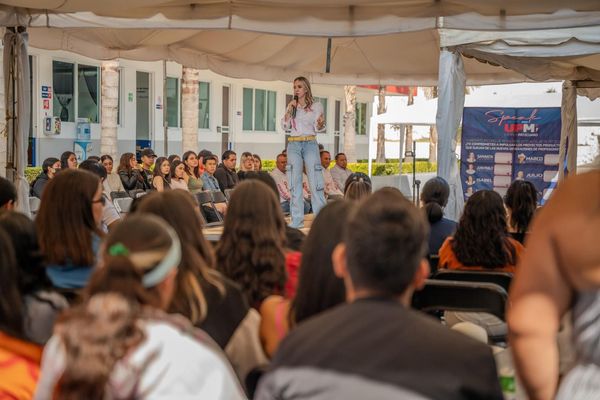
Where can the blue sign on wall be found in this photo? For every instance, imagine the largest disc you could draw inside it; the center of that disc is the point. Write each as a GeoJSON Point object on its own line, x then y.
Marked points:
{"type": "Point", "coordinates": [500, 145]}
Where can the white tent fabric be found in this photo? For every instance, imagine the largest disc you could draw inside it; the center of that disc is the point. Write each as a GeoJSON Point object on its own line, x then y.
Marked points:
{"type": "Point", "coordinates": [17, 91]}
{"type": "Point", "coordinates": [451, 92]}
{"type": "Point", "coordinates": [568, 131]}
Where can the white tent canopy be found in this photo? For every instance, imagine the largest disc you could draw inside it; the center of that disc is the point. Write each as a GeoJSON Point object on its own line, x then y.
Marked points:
{"type": "Point", "coordinates": [372, 42]}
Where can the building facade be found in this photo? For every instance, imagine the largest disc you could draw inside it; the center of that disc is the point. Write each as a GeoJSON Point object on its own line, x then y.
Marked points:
{"type": "Point", "coordinates": [237, 114]}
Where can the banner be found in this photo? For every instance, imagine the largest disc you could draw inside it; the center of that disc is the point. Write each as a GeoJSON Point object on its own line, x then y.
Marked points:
{"type": "Point", "coordinates": [500, 145]}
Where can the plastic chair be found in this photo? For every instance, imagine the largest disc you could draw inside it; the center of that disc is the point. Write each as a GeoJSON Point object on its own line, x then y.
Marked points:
{"type": "Point", "coordinates": [34, 205]}
{"type": "Point", "coordinates": [502, 279]}
{"type": "Point", "coordinates": [461, 296]}
{"type": "Point", "coordinates": [218, 196]}
{"type": "Point", "coordinates": [118, 195]}
{"type": "Point", "coordinates": [434, 261]}
{"type": "Point", "coordinates": [228, 193]}
{"type": "Point", "coordinates": [123, 205]}
{"type": "Point", "coordinates": [205, 199]}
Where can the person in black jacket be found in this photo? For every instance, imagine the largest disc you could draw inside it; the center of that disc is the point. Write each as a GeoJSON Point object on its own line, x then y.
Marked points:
{"type": "Point", "coordinates": [130, 173]}
{"type": "Point", "coordinates": [50, 167]}
{"type": "Point", "coordinates": [225, 172]}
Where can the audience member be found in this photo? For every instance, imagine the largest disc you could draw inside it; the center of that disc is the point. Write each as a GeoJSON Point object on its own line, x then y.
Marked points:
{"type": "Point", "coordinates": [178, 176]}
{"type": "Point", "coordinates": [130, 174]}
{"type": "Point", "coordinates": [8, 194]}
{"type": "Point", "coordinates": [257, 162]}
{"type": "Point", "coordinates": [283, 188]}
{"type": "Point", "coordinates": [521, 203]}
{"type": "Point", "coordinates": [434, 198]}
{"type": "Point", "coordinates": [110, 215]}
{"type": "Point", "coordinates": [68, 159]}
{"type": "Point", "coordinates": [251, 249]}
{"type": "Point", "coordinates": [318, 289]}
{"type": "Point", "coordinates": [375, 346]}
{"type": "Point", "coordinates": [192, 172]}
{"type": "Point", "coordinates": [19, 359]}
{"type": "Point", "coordinates": [67, 226]}
{"type": "Point", "coordinates": [208, 177]}
{"type": "Point", "coordinates": [357, 186]}
{"type": "Point", "coordinates": [147, 156]}
{"type": "Point", "coordinates": [331, 189]}
{"type": "Point", "coordinates": [113, 182]}
{"type": "Point", "coordinates": [340, 172]}
{"type": "Point", "coordinates": [481, 240]}
{"type": "Point", "coordinates": [294, 240]}
{"type": "Point", "coordinates": [41, 304]}
{"type": "Point", "coordinates": [93, 158]}
{"type": "Point", "coordinates": [174, 157]}
{"type": "Point", "coordinates": [208, 299]}
{"type": "Point", "coordinates": [50, 167]}
{"type": "Point", "coordinates": [225, 172]}
{"type": "Point", "coordinates": [119, 343]}
{"type": "Point", "coordinates": [246, 162]}
{"type": "Point", "coordinates": [557, 273]}
{"type": "Point", "coordinates": [161, 179]}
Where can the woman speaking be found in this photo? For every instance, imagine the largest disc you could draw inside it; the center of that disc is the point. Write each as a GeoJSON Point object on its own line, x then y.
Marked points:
{"type": "Point", "coordinates": [304, 118]}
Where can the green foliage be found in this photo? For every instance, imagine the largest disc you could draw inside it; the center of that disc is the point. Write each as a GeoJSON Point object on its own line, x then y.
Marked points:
{"type": "Point", "coordinates": [31, 173]}
{"type": "Point", "coordinates": [388, 168]}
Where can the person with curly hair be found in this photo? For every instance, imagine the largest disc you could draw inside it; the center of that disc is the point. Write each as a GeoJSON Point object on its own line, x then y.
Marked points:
{"type": "Point", "coordinates": [251, 249]}
{"type": "Point", "coordinates": [521, 203]}
{"type": "Point", "coordinates": [481, 240]}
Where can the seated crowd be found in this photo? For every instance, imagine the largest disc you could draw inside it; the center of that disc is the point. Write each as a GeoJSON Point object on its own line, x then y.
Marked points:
{"type": "Point", "coordinates": [99, 302]}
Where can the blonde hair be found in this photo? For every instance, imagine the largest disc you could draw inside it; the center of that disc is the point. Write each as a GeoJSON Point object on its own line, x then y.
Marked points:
{"type": "Point", "coordinates": [309, 96]}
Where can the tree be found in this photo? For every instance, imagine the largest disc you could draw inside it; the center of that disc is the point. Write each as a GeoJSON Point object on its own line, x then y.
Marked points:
{"type": "Point", "coordinates": [189, 108]}
{"type": "Point", "coordinates": [381, 108]}
{"type": "Point", "coordinates": [409, 128]}
{"type": "Point", "coordinates": [349, 123]}
{"type": "Point", "coordinates": [431, 93]}
{"type": "Point", "coordinates": [110, 105]}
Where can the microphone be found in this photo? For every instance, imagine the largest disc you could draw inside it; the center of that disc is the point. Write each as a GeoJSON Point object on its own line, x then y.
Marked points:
{"type": "Point", "coordinates": [294, 108]}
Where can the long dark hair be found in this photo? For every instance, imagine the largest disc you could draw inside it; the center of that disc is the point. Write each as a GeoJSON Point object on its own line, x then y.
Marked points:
{"type": "Point", "coordinates": [318, 287]}
{"type": "Point", "coordinates": [65, 221]}
{"type": "Point", "coordinates": [435, 197]}
{"type": "Point", "coordinates": [196, 271]}
{"type": "Point", "coordinates": [124, 162]}
{"type": "Point", "coordinates": [21, 229]}
{"type": "Point", "coordinates": [481, 238]}
{"type": "Point", "coordinates": [521, 199]}
{"type": "Point", "coordinates": [64, 159]}
{"type": "Point", "coordinates": [157, 167]}
{"type": "Point", "coordinates": [11, 306]}
{"type": "Point", "coordinates": [174, 166]}
{"type": "Point", "coordinates": [251, 249]}
{"type": "Point", "coordinates": [196, 171]}
{"type": "Point", "coordinates": [101, 331]}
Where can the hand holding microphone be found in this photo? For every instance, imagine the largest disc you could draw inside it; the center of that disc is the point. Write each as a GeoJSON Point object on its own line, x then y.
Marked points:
{"type": "Point", "coordinates": [294, 106]}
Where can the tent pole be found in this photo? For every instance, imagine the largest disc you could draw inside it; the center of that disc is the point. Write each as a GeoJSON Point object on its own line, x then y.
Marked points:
{"type": "Point", "coordinates": [165, 121]}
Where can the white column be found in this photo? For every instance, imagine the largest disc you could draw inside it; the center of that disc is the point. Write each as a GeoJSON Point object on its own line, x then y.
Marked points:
{"type": "Point", "coordinates": [110, 104]}
{"type": "Point", "coordinates": [189, 108]}
{"type": "Point", "coordinates": [349, 124]}
{"type": "Point", "coordinates": [568, 131]}
{"type": "Point", "coordinates": [451, 92]}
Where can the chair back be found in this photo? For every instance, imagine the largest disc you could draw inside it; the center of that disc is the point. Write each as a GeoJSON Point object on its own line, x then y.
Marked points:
{"type": "Point", "coordinates": [123, 205]}
{"type": "Point", "coordinates": [434, 261]}
{"type": "Point", "coordinates": [118, 195]}
{"type": "Point", "coordinates": [204, 198]}
{"type": "Point", "coordinates": [218, 196]}
{"type": "Point", "coordinates": [34, 205]}
{"type": "Point", "coordinates": [502, 279]}
{"type": "Point", "coordinates": [461, 296]}
{"type": "Point", "coordinates": [228, 193]}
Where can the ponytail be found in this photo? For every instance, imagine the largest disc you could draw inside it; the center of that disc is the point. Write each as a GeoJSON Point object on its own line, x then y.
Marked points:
{"type": "Point", "coordinates": [434, 212]}
{"type": "Point", "coordinates": [521, 199]}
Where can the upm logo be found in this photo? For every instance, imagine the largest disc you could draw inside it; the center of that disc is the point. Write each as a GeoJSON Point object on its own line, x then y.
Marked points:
{"type": "Point", "coordinates": [513, 123]}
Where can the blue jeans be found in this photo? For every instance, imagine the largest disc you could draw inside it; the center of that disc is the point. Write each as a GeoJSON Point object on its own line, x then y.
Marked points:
{"type": "Point", "coordinates": [285, 206]}
{"type": "Point", "coordinates": [300, 154]}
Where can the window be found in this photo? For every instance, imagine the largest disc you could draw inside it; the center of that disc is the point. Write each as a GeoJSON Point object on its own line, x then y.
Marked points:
{"type": "Point", "coordinates": [361, 119]}
{"type": "Point", "coordinates": [87, 92]}
{"type": "Point", "coordinates": [172, 102]}
{"type": "Point", "coordinates": [63, 81]}
{"type": "Point", "coordinates": [259, 110]}
{"type": "Point", "coordinates": [204, 106]}
{"type": "Point", "coordinates": [323, 101]}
